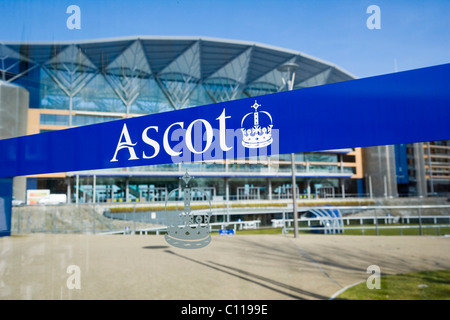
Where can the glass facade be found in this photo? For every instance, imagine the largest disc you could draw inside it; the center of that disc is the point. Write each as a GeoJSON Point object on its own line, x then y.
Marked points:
{"type": "Point", "coordinates": [423, 168]}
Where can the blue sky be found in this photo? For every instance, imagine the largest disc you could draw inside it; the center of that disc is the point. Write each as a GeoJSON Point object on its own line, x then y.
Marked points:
{"type": "Point", "coordinates": [413, 34]}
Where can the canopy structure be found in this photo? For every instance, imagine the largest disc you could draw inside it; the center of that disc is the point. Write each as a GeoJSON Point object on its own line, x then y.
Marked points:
{"type": "Point", "coordinates": [330, 219]}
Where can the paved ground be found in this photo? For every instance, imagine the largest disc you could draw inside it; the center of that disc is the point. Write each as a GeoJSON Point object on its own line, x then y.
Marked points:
{"type": "Point", "coordinates": [230, 267]}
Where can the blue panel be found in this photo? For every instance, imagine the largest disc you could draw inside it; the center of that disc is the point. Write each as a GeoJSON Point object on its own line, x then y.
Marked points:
{"type": "Point", "coordinates": [401, 163]}
{"type": "Point", "coordinates": [226, 232]}
{"type": "Point", "coordinates": [360, 186]}
{"type": "Point", "coordinates": [356, 113]}
{"type": "Point", "coordinates": [31, 183]}
{"type": "Point", "coordinates": [6, 188]}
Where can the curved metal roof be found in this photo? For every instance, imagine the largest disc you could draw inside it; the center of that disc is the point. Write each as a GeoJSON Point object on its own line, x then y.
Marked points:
{"type": "Point", "coordinates": [201, 58]}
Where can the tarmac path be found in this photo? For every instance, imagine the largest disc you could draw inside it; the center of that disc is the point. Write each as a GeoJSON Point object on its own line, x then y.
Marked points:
{"type": "Point", "coordinates": [256, 267]}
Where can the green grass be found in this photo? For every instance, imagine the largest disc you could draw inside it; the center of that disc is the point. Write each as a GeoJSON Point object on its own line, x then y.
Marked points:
{"type": "Point", "coordinates": [426, 285]}
{"type": "Point", "coordinates": [348, 232]}
{"type": "Point", "coordinates": [356, 232]}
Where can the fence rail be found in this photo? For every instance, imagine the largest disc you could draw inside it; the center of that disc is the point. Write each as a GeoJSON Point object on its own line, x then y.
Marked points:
{"type": "Point", "coordinates": [373, 219]}
{"type": "Point", "coordinates": [88, 218]}
{"type": "Point", "coordinates": [377, 228]}
{"type": "Point", "coordinates": [315, 224]}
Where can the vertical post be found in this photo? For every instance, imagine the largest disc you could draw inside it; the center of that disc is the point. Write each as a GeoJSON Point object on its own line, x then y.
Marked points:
{"type": "Point", "coordinates": [94, 189]}
{"type": "Point", "coordinates": [387, 186]}
{"type": "Point", "coordinates": [376, 222]}
{"type": "Point", "coordinates": [430, 170]}
{"type": "Point", "coordinates": [370, 187]}
{"type": "Point", "coordinates": [308, 181]}
{"type": "Point", "coordinates": [227, 190]}
{"type": "Point", "coordinates": [127, 192]}
{"type": "Point", "coordinates": [341, 162]}
{"type": "Point", "coordinates": [419, 163]}
{"type": "Point", "coordinates": [269, 188]}
{"type": "Point", "coordinates": [294, 196]}
{"type": "Point", "coordinates": [227, 197]}
{"type": "Point", "coordinates": [69, 192]}
{"type": "Point", "coordinates": [420, 221]}
{"type": "Point", "coordinates": [288, 69]}
{"type": "Point", "coordinates": [77, 195]}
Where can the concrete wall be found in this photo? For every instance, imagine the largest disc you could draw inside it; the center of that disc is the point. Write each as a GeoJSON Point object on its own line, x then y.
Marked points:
{"type": "Point", "coordinates": [379, 165]}
{"type": "Point", "coordinates": [419, 165]}
{"type": "Point", "coordinates": [14, 102]}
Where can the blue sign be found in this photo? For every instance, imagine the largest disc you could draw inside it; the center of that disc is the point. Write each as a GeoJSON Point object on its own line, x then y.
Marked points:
{"type": "Point", "coordinates": [228, 232]}
{"type": "Point", "coordinates": [404, 107]}
{"type": "Point", "coordinates": [6, 187]}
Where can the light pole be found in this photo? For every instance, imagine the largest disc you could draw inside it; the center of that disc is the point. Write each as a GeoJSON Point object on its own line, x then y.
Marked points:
{"type": "Point", "coordinates": [288, 70]}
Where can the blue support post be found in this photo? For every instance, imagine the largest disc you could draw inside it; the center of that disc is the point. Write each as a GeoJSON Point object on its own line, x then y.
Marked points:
{"type": "Point", "coordinates": [6, 190]}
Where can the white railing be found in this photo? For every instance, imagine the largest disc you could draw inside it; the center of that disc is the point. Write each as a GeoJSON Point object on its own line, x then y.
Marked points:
{"type": "Point", "coordinates": [276, 223]}
{"type": "Point", "coordinates": [287, 224]}
{"type": "Point", "coordinates": [252, 224]}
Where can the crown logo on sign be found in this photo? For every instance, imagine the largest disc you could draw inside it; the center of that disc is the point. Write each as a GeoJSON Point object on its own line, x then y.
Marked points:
{"type": "Point", "coordinates": [185, 229]}
{"type": "Point", "coordinates": [256, 133]}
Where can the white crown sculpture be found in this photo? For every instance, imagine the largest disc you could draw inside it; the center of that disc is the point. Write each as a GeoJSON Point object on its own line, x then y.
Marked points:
{"type": "Point", "coordinates": [253, 134]}
{"type": "Point", "coordinates": [184, 229]}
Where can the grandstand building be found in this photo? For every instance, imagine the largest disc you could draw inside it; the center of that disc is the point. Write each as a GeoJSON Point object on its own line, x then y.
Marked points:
{"type": "Point", "coordinates": [80, 83]}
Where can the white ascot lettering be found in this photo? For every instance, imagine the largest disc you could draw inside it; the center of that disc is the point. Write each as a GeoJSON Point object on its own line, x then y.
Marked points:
{"type": "Point", "coordinates": [125, 141]}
